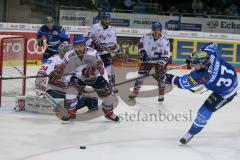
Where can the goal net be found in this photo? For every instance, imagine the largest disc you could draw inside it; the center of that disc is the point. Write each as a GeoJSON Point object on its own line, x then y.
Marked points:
{"type": "Point", "coordinates": [12, 64]}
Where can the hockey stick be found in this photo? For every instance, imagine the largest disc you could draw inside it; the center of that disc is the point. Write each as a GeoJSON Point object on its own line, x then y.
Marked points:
{"type": "Point", "coordinates": [55, 104]}
{"type": "Point", "coordinates": [27, 77]}
{"type": "Point", "coordinates": [134, 79]}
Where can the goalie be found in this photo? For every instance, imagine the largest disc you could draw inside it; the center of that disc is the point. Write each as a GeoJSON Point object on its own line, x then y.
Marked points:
{"type": "Point", "coordinates": [53, 86]}
{"type": "Point", "coordinates": [57, 85]}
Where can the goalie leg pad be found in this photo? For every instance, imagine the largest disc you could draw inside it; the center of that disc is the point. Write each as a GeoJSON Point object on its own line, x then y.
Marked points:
{"type": "Point", "coordinates": [35, 104]}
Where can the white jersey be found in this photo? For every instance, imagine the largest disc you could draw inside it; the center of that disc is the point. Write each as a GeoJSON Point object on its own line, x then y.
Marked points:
{"type": "Point", "coordinates": [73, 64]}
{"type": "Point", "coordinates": [104, 36]}
{"type": "Point", "coordinates": [152, 46]}
{"type": "Point", "coordinates": [47, 68]}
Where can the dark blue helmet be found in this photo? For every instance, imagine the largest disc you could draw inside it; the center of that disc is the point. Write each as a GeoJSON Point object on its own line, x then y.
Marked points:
{"type": "Point", "coordinates": [157, 25]}
{"type": "Point", "coordinates": [79, 40]}
{"type": "Point", "coordinates": [64, 37]}
{"type": "Point", "coordinates": [49, 19]}
{"type": "Point", "coordinates": [105, 15]}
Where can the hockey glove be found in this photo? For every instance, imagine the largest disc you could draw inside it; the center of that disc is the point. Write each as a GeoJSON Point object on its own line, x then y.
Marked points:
{"type": "Point", "coordinates": [97, 45]}
{"type": "Point", "coordinates": [56, 74]}
{"type": "Point", "coordinates": [40, 42]}
{"type": "Point", "coordinates": [143, 56]}
{"type": "Point", "coordinates": [189, 62]}
{"type": "Point", "coordinates": [168, 78]}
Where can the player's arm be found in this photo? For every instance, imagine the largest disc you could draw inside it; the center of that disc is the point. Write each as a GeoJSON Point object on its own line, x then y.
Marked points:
{"type": "Point", "coordinates": [40, 34]}
{"type": "Point", "coordinates": [187, 81]}
{"type": "Point", "coordinates": [141, 51]}
{"type": "Point", "coordinates": [47, 68]}
{"type": "Point", "coordinates": [41, 83]}
{"type": "Point", "coordinates": [165, 53]}
{"type": "Point", "coordinates": [52, 69]}
{"type": "Point", "coordinates": [91, 39]}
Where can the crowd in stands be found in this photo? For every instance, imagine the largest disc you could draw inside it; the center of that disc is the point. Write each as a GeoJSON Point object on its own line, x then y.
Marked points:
{"type": "Point", "coordinates": [193, 7]}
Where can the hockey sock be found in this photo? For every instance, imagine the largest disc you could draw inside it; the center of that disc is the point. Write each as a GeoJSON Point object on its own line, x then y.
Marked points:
{"type": "Point", "coordinates": [138, 85]}
{"type": "Point", "coordinates": [201, 120]}
{"type": "Point", "coordinates": [72, 102]}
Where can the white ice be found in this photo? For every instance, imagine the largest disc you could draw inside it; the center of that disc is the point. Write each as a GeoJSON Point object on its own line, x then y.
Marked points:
{"type": "Point", "coordinates": [28, 136]}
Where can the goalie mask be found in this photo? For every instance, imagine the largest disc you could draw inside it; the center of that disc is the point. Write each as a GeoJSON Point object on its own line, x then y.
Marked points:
{"type": "Point", "coordinates": [63, 48]}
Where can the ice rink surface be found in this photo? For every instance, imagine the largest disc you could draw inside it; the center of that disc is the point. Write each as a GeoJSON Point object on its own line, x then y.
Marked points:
{"type": "Point", "coordinates": [29, 136]}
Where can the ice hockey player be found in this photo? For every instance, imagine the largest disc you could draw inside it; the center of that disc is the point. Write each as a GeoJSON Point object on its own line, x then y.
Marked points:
{"type": "Point", "coordinates": [216, 75]}
{"type": "Point", "coordinates": [154, 51]}
{"type": "Point", "coordinates": [54, 34]}
{"type": "Point", "coordinates": [89, 70]}
{"type": "Point", "coordinates": [102, 37]}
{"type": "Point", "coordinates": [57, 86]}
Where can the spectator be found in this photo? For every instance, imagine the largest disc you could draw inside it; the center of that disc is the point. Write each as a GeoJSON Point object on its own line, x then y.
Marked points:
{"type": "Point", "coordinates": [209, 4]}
{"type": "Point", "coordinates": [197, 6]}
{"type": "Point", "coordinates": [102, 4]}
{"type": "Point", "coordinates": [233, 10]}
{"type": "Point", "coordinates": [139, 7]}
{"type": "Point", "coordinates": [173, 10]}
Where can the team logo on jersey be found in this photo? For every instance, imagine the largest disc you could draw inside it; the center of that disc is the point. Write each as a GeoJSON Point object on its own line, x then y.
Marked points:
{"type": "Point", "coordinates": [49, 61]}
{"type": "Point", "coordinates": [55, 33]}
{"type": "Point", "coordinates": [191, 80]}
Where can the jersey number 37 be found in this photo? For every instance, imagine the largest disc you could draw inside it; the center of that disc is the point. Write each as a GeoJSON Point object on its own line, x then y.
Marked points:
{"type": "Point", "coordinates": [225, 81]}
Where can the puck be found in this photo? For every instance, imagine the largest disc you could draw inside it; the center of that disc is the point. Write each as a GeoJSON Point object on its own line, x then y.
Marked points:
{"type": "Point", "coordinates": [82, 147]}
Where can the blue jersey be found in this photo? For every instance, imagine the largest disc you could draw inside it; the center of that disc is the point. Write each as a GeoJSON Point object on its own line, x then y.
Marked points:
{"type": "Point", "coordinates": [54, 36]}
{"type": "Point", "coordinates": [220, 76]}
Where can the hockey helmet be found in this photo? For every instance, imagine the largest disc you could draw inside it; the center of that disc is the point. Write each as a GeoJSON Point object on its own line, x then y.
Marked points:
{"type": "Point", "coordinates": [49, 19]}
{"type": "Point", "coordinates": [79, 40]}
{"type": "Point", "coordinates": [156, 25]}
{"type": "Point", "coordinates": [105, 15]}
{"type": "Point", "coordinates": [201, 57]}
{"type": "Point", "coordinates": [64, 47]}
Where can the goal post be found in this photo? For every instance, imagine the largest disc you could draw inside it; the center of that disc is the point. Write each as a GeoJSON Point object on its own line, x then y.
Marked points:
{"type": "Point", "coordinates": [13, 58]}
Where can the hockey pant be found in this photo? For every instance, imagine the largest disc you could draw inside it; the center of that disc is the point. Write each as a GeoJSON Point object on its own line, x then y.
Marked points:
{"type": "Point", "coordinates": [100, 85]}
{"type": "Point", "coordinates": [212, 104]}
{"type": "Point", "coordinates": [144, 70]}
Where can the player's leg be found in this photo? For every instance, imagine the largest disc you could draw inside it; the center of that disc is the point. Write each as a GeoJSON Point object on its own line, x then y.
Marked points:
{"type": "Point", "coordinates": [90, 102]}
{"type": "Point", "coordinates": [144, 70]}
{"type": "Point", "coordinates": [104, 90]}
{"type": "Point", "coordinates": [212, 104]}
{"type": "Point", "coordinates": [159, 71]}
{"type": "Point", "coordinates": [111, 77]}
{"type": "Point", "coordinates": [71, 103]}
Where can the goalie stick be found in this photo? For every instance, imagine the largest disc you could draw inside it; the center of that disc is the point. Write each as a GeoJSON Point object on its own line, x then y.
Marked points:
{"type": "Point", "coordinates": [41, 88]}
{"type": "Point", "coordinates": [27, 77]}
